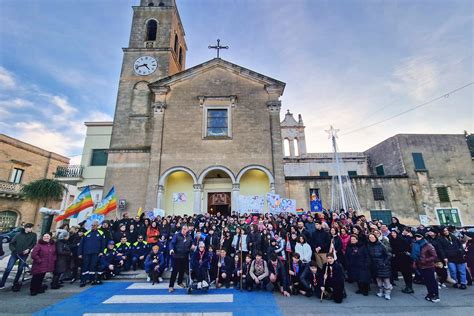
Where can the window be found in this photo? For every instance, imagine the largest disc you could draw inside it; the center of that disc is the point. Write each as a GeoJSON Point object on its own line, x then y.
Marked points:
{"type": "Point", "coordinates": [286, 147]}
{"type": "Point", "coordinates": [352, 173]}
{"type": "Point", "coordinates": [418, 161]}
{"type": "Point", "coordinates": [379, 170]}
{"type": "Point", "coordinates": [176, 43]}
{"type": "Point", "coordinates": [151, 28]}
{"type": "Point", "coordinates": [443, 194]}
{"type": "Point", "coordinates": [180, 58]}
{"type": "Point", "coordinates": [382, 215]}
{"type": "Point", "coordinates": [16, 175]}
{"type": "Point", "coordinates": [378, 194]}
{"type": "Point", "coordinates": [323, 174]}
{"type": "Point", "coordinates": [99, 157]}
{"type": "Point", "coordinates": [217, 122]}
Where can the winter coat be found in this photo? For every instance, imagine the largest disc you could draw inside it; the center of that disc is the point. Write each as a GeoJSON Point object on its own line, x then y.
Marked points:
{"type": "Point", "coordinates": [379, 260]}
{"type": "Point", "coordinates": [149, 264]}
{"type": "Point", "coordinates": [181, 245]}
{"type": "Point", "coordinates": [92, 243]}
{"type": "Point", "coordinates": [212, 240]}
{"type": "Point", "coordinates": [358, 263]}
{"type": "Point", "coordinates": [321, 238]}
{"type": "Point", "coordinates": [280, 272]}
{"type": "Point", "coordinates": [428, 255]}
{"type": "Point", "coordinates": [307, 278]}
{"type": "Point", "coordinates": [254, 242]}
{"type": "Point", "coordinates": [152, 235]}
{"type": "Point", "coordinates": [22, 242]}
{"type": "Point", "coordinates": [452, 248]}
{"type": "Point", "coordinates": [401, 248]}
{"type": "Point", "coordinates": [63, 256]}
{"type": "Point", "coordinates": [44, 257]}
{"type": "Point", "coordinates": [200, 263]}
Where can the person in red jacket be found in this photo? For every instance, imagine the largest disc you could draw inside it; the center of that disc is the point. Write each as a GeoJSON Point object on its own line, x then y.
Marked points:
{"type": "Point", "coordinates": [425, 261]}
{"type": "Point", "coordinates": [44, 259]}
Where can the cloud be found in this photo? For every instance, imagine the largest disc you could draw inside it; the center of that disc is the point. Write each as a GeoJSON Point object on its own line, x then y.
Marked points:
{"type": "Point", "coordinates": [7, 81]}
{"type": "Point", "coordinates": [63, 104]}
{"type": "Point", "coordinates": [416, 77]}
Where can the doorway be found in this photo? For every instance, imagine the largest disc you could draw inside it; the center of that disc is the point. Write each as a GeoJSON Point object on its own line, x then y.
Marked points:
{"type": "Point", "coordinates": [219, 202]}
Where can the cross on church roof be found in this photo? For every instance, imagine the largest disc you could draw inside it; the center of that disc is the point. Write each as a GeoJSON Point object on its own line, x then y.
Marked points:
{"type": "Point", "coordinates": [218, 47]}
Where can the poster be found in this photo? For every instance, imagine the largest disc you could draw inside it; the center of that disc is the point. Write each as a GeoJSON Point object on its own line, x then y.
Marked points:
{"type": "Point", "coordinates": [91, 219]}
{"type": "Point", "coordinates": [315, 200]}
{"type": "Point", "coordinates": [424, 220]}
{"type": "Point", "coordinates": [273, 201]}
{"type": "Point", "coordinates": [155, 213]}
{"type": "Point", "coordinates": [251, 204]}
{"type": "Point", "coordinates": [179, 197]}
{"type": "Point", "coordinates": [288, 206]}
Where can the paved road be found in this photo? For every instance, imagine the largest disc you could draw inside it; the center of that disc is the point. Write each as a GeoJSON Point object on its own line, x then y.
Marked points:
{"type": "Point", "coordinates": [118, 297]}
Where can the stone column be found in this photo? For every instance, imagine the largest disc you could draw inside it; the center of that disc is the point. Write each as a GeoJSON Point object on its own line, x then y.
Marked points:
{"type": "Point", "coordinates": [274, 106]}
{"type": "Point", "coordinates": [159, 198]}
{"type": "Point", "coordinates": [235, 196]}
{"type": "Point", "coordinates": [154, 171]}
{"type": "Point", "coordinates": [197, 199]}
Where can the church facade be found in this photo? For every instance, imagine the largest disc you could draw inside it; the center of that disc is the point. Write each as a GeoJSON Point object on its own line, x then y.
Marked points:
{"type": "Point", "coordinates": [193, 140]}
{"type": "Point", "coordinates": [209, 133]}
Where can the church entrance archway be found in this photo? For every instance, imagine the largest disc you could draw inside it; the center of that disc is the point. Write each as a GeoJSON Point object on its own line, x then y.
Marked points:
{"type": "Point", "coordinates": [217, 189]}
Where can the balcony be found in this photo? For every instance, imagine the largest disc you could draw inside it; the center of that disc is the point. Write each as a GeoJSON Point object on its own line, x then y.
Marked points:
{"type": "Point", "coordinates": [10, 190]}
{"type": "Point", "coordinates": [71, 174]}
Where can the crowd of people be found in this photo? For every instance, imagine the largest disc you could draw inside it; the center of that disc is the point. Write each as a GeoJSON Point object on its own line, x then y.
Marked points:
{"type": "Point", "coordinates": [311, 254]}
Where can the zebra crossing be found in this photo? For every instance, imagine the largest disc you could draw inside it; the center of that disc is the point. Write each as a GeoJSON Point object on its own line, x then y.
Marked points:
{"type": "Point", "coordinates": [144, 299]}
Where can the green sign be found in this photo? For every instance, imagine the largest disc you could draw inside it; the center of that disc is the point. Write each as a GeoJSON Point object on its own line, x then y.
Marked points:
{"type": "Point", "coordinates": [449, 216]}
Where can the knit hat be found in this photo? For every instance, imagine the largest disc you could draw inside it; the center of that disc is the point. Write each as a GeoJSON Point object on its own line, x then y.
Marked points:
{"type": "Point", "coordinates": [418, 235]}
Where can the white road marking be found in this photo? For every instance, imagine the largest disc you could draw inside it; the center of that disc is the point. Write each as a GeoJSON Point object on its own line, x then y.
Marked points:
{"type": "Point", "coordinates": [159, 286]}
{"type": "Point", "coordinates": [166, 299]}
{"type": "Point", "coordinates": [161, 314]}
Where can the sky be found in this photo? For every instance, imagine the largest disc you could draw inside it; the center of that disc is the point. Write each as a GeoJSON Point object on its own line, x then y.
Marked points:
{"type": "Point", "coordinates": [346, 63]}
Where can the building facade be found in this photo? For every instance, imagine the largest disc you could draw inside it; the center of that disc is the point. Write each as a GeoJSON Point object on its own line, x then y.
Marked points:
{"type": "Point", "coordinates": [193, 140]}
{"type": "Point", "coordinates": [21, 163]}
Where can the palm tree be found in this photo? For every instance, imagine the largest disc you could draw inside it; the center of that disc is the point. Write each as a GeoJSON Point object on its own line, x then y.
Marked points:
{"type": "Point", "coordinates": [44, 191]}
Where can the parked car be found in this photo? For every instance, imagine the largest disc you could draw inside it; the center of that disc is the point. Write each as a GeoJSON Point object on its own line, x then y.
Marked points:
{"type": "Point", "coordinates": [5, 237]}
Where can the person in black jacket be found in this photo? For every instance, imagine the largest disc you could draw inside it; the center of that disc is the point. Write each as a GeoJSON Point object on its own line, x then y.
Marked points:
{"type": "Point", "coordinates": [401, 260]}
{"type": "Point", "coordinates": [180, 247]}
{"type": "Point", "coordinates": [320, 241]}
{"type": "Point", "coordinates": [225, 267]}
{"type": "Point", "coordinates": [212, 239]}
{"type": "Point", "coordinates": [63, 258]}
{"type": "Point", "coordinates": [358, 265]}
{"type": "Point", "coordinates": [278, 277]}
{"type": "Point", "coordinates": [454, 253]}
{"type": "Point", "coordinates": [311, 280]}
{"type": "Point", "coordinates": [74, 241]}
{"type": "Point", "coordinates": [254, 240]}
{"type": "Point", "coordinates": [333, 279]}
{"type": "Point", "coordinates": [380, 266]}
{"type": "Point", "coordinates": [200, 262]}
{"type": "Point", "coordinates": [295, 271]}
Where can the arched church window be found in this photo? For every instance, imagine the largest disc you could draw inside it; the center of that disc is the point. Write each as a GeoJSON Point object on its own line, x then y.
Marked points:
{"type": "Point", "coordinates": [176, 43]}
{"type": "Point", "coordinates": [286, 147]}
{"type": "Point", "coordinates": [151, 28]}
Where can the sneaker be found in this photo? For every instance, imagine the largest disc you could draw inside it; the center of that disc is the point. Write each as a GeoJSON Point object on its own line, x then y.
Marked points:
{"type": "Point", "coordinates": [160, 279]}
{"type": "Point", "coordinates": [182, 285]}
{"type": "Point", "coordinates": [435, 299]}
{"type": "Point", "coordinates": [463, 287]}
{"type": "Point", "coordinates": [199, 285]}
{"type": "Point", "coordinates": [387, 296]}
{"type": "Point", "coordinates": [205, 284]}
{"type": "Point", "coordinates": [148, 279]}
{"type": "Point", "coordinates": [2, 287]}
{"type": "Point", "coordinates": [380, 293]}
{"type": "Point", "coordinates": [170, 290]}
{"type": "Point", "coordinates": [427, 298]}
{"type": "Point", "coordinates": [441, 285]}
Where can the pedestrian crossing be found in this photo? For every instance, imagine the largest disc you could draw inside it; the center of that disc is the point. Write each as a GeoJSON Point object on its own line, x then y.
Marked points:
{"type": "Point", "coordinates": [145, 299]}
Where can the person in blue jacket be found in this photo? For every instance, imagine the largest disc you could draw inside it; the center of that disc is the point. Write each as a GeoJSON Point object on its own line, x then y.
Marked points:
{"type": "Point", "coordinates": [200, 262]}
{"type": "Point", "coordinates": [90, 249]}
{"type": "Point", "coordinates": [110, 261]}
{"type": "Point", "coordinates": [154, 263]}
{"type": "Point", "coordinates": [124, 249]}
{"type": "Point", "coordinates": [140, 249]}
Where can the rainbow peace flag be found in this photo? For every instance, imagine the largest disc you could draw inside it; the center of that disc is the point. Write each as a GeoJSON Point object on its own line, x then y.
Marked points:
{"type": "Point", "coordinates": [299, 211]}
{"type": "Point", "coordinates": [81, 202]}
{"type": "Point", "coordinates": [108, 204]}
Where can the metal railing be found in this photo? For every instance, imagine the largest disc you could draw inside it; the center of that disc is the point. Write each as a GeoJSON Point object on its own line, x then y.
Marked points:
{"type": "Point", "coordinates": [70, 171]}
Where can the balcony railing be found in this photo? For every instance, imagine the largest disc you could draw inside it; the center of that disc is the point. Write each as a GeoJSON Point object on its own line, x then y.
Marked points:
{"type": "Point", "coordinates": [10, 189]}
{"type": "Point", "coordinates": [71, 171]}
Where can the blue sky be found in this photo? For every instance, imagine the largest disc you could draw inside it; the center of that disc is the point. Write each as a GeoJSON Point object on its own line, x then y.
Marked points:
{"type": "Point", "coordinates": [345, 63]}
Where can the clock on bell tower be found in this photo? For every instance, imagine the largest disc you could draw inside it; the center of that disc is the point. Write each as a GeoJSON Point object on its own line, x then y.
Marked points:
{"type": "Point", "coordinates": [156, 49]}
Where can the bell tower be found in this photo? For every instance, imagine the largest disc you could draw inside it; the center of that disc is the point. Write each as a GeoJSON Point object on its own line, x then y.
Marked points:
{"type": "Point", "coordinates": [156, 49]}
